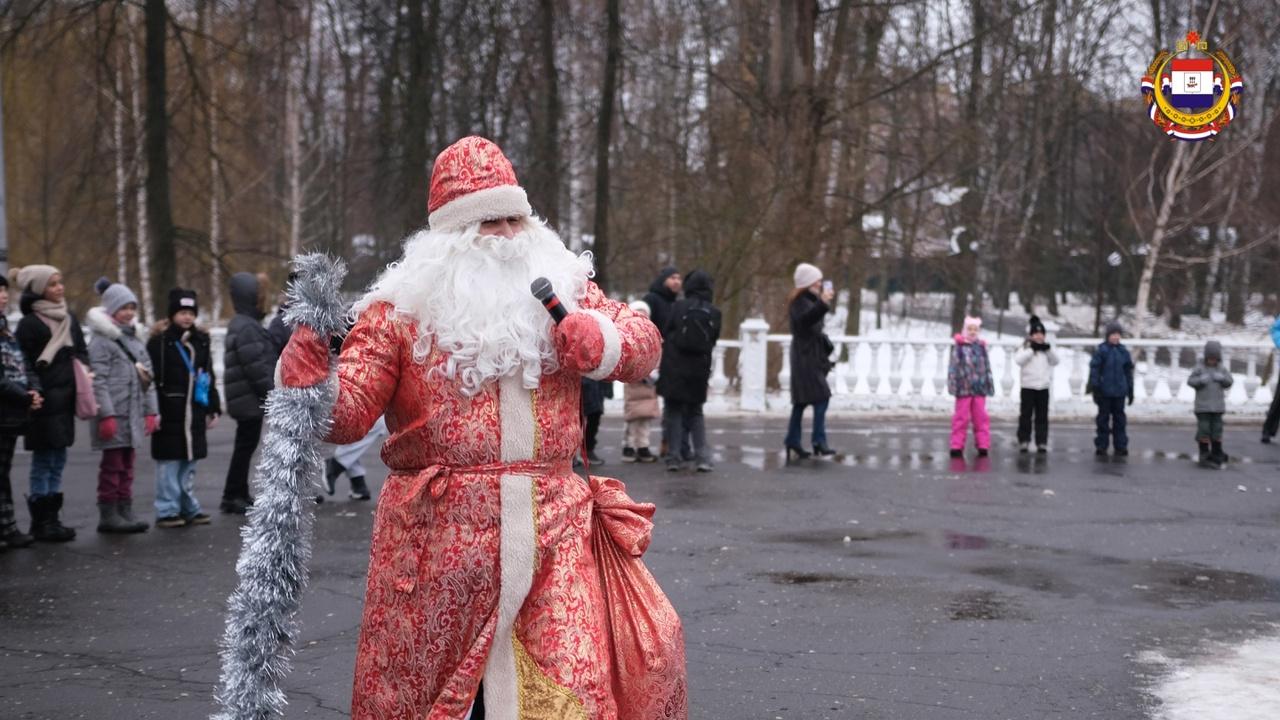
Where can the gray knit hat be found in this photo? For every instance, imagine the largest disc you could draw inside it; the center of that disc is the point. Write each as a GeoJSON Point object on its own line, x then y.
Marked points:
{"type": "Point", "coordinates": [1115, 328]}
{"type": "Point", "coordinates": [114, 295]}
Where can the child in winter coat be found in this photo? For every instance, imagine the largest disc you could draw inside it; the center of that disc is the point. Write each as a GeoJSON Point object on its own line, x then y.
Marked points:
{"type": "Point", "coordinates": [19, 395]}
{"type": "Point", "coordinates": [640, 409]}
{"type": "Point", "coordinates": [52, 343]}
{"type": "Point", "coordinates": [127, 413]}
{"type": "Point", "coordinates": [189, 404]}
{"type": "Point", "coordinates": [1110, 383]}
{"type": "Point", "coordinates": [969, 380]}
{"type": "Point", "coordinates": [1037, 360]}
{"type": "Point", "coordinates": [1211, 380]}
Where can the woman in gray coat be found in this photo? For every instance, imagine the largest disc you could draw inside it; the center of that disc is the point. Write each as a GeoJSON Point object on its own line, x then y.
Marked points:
{"type": "Point", "coordinates": [127, 410]}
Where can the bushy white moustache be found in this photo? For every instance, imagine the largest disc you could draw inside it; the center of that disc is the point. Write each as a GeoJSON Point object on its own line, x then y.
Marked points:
{"type": "Point", "coordinates": [469, 295]}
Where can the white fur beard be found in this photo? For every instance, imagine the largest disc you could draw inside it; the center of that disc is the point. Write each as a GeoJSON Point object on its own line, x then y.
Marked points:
{"type": "Point", "coordinates": [469, 295]}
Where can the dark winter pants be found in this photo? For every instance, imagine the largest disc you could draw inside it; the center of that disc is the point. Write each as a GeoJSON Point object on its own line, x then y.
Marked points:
{"type": "Point", "coordinates": [1034, 403]}
{"type": "Point", "coordinates": [1208, 427]}
{"type": "Point", "coordinates": [795, 427]}
{"type": "Point", "coordinates": [1111, 423]}
{"type": "Point", "coordinates": [248, 433]}
{"type": "Point", "coordinates": [1272, 423]}
{"type": "Point", "coordinates": [593, 430]}
{"type": "Point", "coordinates": [115, 476]}
{"type": "Point", "coordinates": [681, 418]}
{"type": "Point", "coordinates": [7, 522]}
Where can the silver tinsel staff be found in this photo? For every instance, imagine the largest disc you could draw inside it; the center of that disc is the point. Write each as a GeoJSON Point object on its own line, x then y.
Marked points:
{"type": "Point", "coordinates": [261, 617]}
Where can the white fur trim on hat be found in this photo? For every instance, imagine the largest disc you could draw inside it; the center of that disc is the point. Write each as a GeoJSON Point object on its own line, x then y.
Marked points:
{"type": "Point", "coordinates": [489, 204]}
{"type": "Point", "coordinates": [807, 275]}
{"type": "Point", "coordinates": [612, 346]}
{"type": "Point", "coordinates": [642, 307]}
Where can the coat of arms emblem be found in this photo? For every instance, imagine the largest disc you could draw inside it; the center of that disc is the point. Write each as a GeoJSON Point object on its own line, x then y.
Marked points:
{"type": "Point", "coordinates": [1192, 93]}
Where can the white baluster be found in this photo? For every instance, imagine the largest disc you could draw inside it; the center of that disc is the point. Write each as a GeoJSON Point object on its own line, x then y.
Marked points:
{"type": "Point", "coordinates": [940, 372]}
{"type": "Point", "coordinates": [719, 381]}
{"type": "Point", "coordinates": [1251, 379]}
{"type": "Point", "coordinates": [873, 369]}
{"type": "Point", "coordinates": [911, 372]}
{"type": "Point", "coordinates": [1079, 378]}
{"type": "Point", "coordinates": [784, 375]}
{"type": "Point", "coordinates": [753, 364]}
{"type": "Point", "coordinates": [851, 367]}
{"type": "Point", "coordinates": [1148, 380]}
{"type": "Point", "coordinates": [1173, 378]}
{"type": "Point", "coordinates": [1006, 370]}
{"type": "Point", "coordinates": [897, 354]}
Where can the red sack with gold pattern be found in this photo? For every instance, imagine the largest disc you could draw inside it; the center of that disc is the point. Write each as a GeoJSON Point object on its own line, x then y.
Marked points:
{"type": "Point", "coordinates": [646, 638]}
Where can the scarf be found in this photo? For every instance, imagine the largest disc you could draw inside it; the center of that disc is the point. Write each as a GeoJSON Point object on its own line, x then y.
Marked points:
{"type": "Point", "coordinates": [54, 315]}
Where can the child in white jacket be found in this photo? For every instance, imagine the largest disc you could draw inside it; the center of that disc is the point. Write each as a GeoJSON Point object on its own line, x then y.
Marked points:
{"type": "Point", "coordinates": [1037, 359]}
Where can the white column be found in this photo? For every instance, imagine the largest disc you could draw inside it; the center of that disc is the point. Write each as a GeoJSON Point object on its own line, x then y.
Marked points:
{"type": "Point", "coordinates": [754, 363]}
{"type": "Point", "coordinates": [719, 381]}
{"type": "Point", "coordinates": [784, 375]}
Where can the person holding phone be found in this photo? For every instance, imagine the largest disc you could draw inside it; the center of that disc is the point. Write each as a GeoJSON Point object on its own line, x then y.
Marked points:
{"type": "Point", "coordinates": [811, 350]}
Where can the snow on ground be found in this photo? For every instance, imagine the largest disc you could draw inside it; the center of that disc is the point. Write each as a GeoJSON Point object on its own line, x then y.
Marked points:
{"type": "Point", "coordinates": [1240, 682]}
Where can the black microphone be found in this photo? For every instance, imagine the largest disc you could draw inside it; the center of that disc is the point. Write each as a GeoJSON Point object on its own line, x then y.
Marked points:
{"type": "Point", "coordinates": [541, 289]}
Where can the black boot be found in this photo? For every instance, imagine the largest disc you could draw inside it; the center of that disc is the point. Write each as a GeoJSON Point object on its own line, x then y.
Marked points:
{"type": "Point", "coordinates": [45, 525]}
{"type": "Point", "coordinates": [796, 453]}
{"type": "Point", "coordinates": [821, 450]}
{"type": "Point", "coordinates": [1217, 453]}
{"type": "Point", "coordinates": [125, 509]}
{"type": "Point", "coordinates": [359, 491]}
{"type": "Point", "coordinates": [10, 535]}
{"type": "Point", "coordinates": [1206, 459]}
{"type": "Point", "coordinates": [332, 469]}
{"type": "Point", "coordinates": [109, 520]}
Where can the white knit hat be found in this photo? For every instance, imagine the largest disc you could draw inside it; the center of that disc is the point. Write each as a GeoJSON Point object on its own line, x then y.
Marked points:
{"type": "Point", "coordinates": [807, 275]}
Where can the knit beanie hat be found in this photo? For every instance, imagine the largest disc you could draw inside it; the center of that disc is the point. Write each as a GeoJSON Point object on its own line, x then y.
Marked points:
{"type": "Point", "coordinates": [114, 295]}
{"type": "Point", "coordinates": [807, 275]}
{"type": "Point", "coordinates": [182, 299]}
{"type": "Point", "coordinates": [1114, 328]}
{"type": "Point", "coordinates": [1035, 326]}
{"type": "Point", "coordinates": [1213, 350]}
{"type": "Point", "coordinates": [972, 321]}
{"type": "Point", "coordinates": [641, 307]}
{"type": "Point", "coordinates": [34, 277]}
{"type": "Point", "coordinates": [472, 182]}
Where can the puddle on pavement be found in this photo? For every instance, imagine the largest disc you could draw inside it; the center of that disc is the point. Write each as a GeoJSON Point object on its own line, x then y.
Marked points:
{"type": "Point", "coordinates": [1021, 576]}
{"type": "Point", "coordinates": [1181, 586]}
{"type": "Point", "coordinates": [983, 605]}
{"type": "Point", "coordinates": [684, 494]}
{"type": "Point", "coordinates": [802, 578]}
{"type": "Point", "coordinates": [836, 537]}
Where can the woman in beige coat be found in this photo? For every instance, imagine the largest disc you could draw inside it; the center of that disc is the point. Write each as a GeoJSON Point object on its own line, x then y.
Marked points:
{"type": "Point", "coordinates": [640, 409]}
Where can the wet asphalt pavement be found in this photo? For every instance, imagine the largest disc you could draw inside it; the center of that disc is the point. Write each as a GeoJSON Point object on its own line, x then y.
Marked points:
{"type": "Point", "coordinates": [892, 582]}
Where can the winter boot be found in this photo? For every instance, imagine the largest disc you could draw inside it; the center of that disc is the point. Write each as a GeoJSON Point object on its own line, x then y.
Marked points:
{"type": "Point", "coordinates": [644, 455]}
{"type": "Point", "coordinates": [332, 469]}
{"type": "Point", "coordinates": [45, 525]}
{"type": "Point", "coordinates": [109, 520]}
{"type": "Point", "coordinates": [1217, 453]}
{"type": "Point", "coordinates": [359, 491]}
{"type": "Point", "coordinates": [628, 454]}
{"type": "Point", "coordinates": [10, 535]}
{"type": "Point", "coordinates": [1206, 458]}
{"type": "Point", "coordinates": [125, 509]}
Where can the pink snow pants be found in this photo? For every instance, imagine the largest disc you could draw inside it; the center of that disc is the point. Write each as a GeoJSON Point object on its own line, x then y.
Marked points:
{"type": "Point", "coordinates": [971, 408]}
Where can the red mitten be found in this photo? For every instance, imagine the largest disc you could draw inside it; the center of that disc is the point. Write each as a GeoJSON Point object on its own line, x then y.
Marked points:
{"type": "Point", "coordinates": [107, 428]}
{"type": "Point", "coordinates": [305, 360]}
{"type": "Point", "coordinates": [580, 343]}
{"type": "Point", "coordinates": [152, 424]}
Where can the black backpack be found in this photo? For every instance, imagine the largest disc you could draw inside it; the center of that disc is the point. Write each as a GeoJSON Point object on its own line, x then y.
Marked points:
{"type": "Point", "coordinates": [697, 331]}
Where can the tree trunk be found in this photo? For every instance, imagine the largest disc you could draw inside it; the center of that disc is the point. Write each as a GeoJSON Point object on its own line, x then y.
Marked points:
{"type": "Point", "coordinates": [1174, 177]}
{"type": "Point", "coordinates": [159, 213]}
{"type": "Point", "coordinates": [292, 156]}
{"type": "Point", "coordinates": [142, 240]}
{"type": "Point", "coordinates": [417, 111]}
{"type": "Point", "coordinates": [215, 170]}
{"type": "Point", "coordinates": [544, 175]}
{"type": "Point", "coordinates": [122, 183]}
{"type": "Point", "coordinates": [604, 135]}
{"type": "Point", "coordinates": [965, 273]}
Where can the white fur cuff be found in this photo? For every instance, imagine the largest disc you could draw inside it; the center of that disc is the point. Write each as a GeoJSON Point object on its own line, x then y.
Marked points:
{"type": "Point", "coordinates": [612, 346]}
{"type": "Point", "coordinates": [492, 203]}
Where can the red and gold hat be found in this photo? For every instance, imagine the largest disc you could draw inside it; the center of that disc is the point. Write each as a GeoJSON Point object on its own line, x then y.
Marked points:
{"type": "Point", "coordinates": [472, 182]}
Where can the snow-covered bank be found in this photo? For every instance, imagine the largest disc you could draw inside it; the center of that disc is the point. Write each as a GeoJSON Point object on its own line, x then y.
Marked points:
{"type": "Point", "coordinates": [1240, 682]}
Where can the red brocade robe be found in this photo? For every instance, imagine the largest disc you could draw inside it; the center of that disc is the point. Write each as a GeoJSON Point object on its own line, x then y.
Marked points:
{"type": "Point", "coordinates": [486, 556]}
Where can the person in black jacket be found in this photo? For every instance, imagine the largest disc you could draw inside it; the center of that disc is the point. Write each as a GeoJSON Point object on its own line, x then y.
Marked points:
{"type": "Point", "coordinates": [280, 332]}
{"type": "Point", "coordinates": [249, 366]}
{"type": "Point", "coordinates": [594, 393]}
{"type": "Point", "coordinates": [51, 340]}
{"type": "Point", "coordinates": [19, 395]}
{"type": "Point", "coordinates": [690, 339]}
{"type": "Point", "coordinates": [810, 359]}
{"type": "Point", "coordinates": [189, 404]}
{"type": "Point", "coordinates": [662, 295]}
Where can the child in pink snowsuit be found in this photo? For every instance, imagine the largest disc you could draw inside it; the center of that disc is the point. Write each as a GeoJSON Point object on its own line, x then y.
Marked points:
{"type": "Point", "coordinates": [969, 380]}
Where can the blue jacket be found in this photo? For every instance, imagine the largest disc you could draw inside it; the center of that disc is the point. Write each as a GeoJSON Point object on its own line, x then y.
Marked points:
{"type": "Point", "coordinates": [1275, 332]}
{"type": "Point", "coordinates": [1111, 371]}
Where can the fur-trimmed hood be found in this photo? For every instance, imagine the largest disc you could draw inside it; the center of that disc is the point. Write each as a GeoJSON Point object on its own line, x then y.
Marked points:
{"type": "Point", "coordinates": [962, 340]}
{"type": "Point", "coordinates": [101, 323]}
